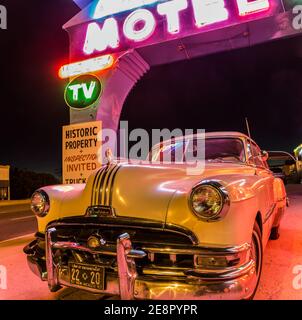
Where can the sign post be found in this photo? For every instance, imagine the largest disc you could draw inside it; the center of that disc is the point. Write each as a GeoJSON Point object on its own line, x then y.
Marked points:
{"type": "Point", "coordinates": [81, 146]}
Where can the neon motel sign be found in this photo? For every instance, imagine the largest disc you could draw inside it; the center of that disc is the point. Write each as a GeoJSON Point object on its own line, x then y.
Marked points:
{"type": "Point", "coordinates": [114, 26]}
{"type": "Point", "coordinates": [121, 24]}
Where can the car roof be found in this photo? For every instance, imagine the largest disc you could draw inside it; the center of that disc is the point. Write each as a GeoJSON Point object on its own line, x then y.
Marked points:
{"type": "Point", "coordinates": [214, 134]}
{"type": "Point", "coordinates": [280, 154]}
{"type": "Point", "coordinates": [225, 134]}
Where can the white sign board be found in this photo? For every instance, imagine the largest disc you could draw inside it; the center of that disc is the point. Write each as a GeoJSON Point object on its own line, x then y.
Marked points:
{"type": "Point", "coordinates": [80, 151]}
{"type": "Point", "coordinates": [4, 173]}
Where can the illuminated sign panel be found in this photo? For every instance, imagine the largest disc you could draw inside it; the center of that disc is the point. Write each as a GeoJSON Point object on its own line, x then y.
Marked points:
{"type": "Point", "coordinates": [86, 66]}
{"type": "Point", "coordinates": [82, 92]}
{"type": "Point", "coordinates": [119, 25]}
{"type": "Point", "coordinates": [81, 146]}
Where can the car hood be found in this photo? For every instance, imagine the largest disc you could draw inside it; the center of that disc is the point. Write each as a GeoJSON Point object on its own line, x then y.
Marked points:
{"type": "Point", "coordinates": [145, 191]}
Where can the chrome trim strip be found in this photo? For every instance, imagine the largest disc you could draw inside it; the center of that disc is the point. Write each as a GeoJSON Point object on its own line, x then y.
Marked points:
{"type": "Point", "coordinates": [102, 185]}
{"type": "Point", "coordinates": [107, 250]}
{"type": "Point", "coordinates": [94, 186]}
{"type": "Point", "coordinates": [109, 190]}
{"type": "Point", "coordinates": [178, 289]}
{"type": "Point", "coordinates": [105, 186]}
{"type": "Point", "coordinates": [222, 274]}
{"type": "Point", "coordinates": [133, 223]}
{"type": "Point", "coordinates": [164, 272]}
{"type": "Point", "coordinates": [68, 284]}
{"type": "Point", "coordinates": [99, 189]}
{"type": "Point", "coordinates": [126, 267]}
{"type": "Point", "coordinates": [112, 185]}
{"type": "Point", "coordinates": [205, 251]}
{"type": "Point", "coordinates": [51, 270]}
{"type": "Point", "coordinates": [147, 287]}
{"type": "Point", "coordinates": [140, 254]}
{"type": "Point", "coordinates": [269, 213]}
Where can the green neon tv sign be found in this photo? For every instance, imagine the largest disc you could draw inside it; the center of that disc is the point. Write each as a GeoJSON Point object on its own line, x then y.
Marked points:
{"type": "Point", "coordinates": [83, 91]}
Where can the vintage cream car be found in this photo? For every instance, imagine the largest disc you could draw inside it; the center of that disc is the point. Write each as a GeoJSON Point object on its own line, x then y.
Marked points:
{"type": "Point", "coordinates": [152, 231]}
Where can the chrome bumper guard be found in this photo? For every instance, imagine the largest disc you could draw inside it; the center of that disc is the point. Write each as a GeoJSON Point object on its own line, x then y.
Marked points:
{"type": "Point", "coordinates": [227, 284]}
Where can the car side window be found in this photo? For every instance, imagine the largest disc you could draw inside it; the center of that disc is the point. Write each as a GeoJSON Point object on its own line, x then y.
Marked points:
{"type": "Point", "coordinates": [257, 156]}
{"type": "Point", "coordinates": [254, 155]}
{"type": "Point", "coordinates": [249, 153]}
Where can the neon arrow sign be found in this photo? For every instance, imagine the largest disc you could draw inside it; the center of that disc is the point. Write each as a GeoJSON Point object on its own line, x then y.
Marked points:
{"type": "Point", "coordinates": [123, 24]}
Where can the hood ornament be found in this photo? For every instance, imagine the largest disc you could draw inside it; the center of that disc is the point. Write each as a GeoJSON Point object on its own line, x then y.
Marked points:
{"type": "Point", "coordinates": [109, 156]}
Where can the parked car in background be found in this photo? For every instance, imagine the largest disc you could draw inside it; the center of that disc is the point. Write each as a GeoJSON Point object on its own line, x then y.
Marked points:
{"type": "Point", "coordinates": [151, 231]}
{"type": "Point", "coordinates": [285, 166]}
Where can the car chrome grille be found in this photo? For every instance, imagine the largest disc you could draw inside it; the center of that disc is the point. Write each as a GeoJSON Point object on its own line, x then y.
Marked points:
{"type": "Point", "coordinates": [139, 237]}
{"type": "Point", "coordinates": [166, 248]}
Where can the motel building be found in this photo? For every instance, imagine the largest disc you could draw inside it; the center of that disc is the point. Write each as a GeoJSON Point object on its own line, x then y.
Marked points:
{"type": "Point", "coordinates": [4, 183]}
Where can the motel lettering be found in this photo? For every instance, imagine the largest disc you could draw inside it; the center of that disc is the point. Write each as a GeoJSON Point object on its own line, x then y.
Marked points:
{"type": "Point", "coordinates": [160, 20]}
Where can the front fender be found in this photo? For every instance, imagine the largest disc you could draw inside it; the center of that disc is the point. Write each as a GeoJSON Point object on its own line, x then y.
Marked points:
{"type": "Point", "coordinates": [62, 197]}
{"type": "Point", "coordinates": [235, 229]}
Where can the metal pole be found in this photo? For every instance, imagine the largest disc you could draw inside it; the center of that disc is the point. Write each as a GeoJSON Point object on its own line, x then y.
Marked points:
{"type": "Point", "coordinates": [248, 127]}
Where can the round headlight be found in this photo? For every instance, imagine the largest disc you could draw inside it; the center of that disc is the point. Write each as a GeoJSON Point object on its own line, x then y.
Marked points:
{"type": "Point", "coordinates": [40, 204]}
{"type": "Point", "coordinates": [209, 201]}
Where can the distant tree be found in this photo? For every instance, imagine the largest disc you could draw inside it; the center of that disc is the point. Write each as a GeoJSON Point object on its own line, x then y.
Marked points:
{"type": "Point", "coordinates": [58, 173]}
{"type": "Point", "coordinates": [24, 182]}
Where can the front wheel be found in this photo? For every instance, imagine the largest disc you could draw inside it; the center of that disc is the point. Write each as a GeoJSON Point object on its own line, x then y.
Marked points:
{"type": "Point", "coordinates": [256, 253]}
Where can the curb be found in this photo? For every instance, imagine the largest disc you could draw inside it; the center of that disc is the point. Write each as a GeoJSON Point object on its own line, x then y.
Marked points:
{"type": "Point", "coordinates": [8, 203]}
{"type": "Point", "coordinates": [23, 237]}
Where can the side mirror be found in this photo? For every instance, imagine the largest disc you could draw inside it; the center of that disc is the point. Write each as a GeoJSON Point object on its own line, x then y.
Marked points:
{"type": "Point", "coordinates": [264, 155]}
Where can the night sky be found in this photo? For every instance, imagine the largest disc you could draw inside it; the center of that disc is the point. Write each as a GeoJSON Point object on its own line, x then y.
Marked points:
{"type": "Point", "coordinates": [214, 93]}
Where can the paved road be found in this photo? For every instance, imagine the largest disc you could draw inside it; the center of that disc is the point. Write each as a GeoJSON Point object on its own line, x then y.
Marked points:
{"type": "Point", "coordinates": [281, 257]}
{"type": "Point", "coordinates": [15, 221]}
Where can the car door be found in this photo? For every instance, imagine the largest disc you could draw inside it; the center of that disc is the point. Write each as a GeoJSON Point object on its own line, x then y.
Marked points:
{"type": "Point", "coordinates": [264, 172]}
{"type": "Point", "coordinates": [265, 189]}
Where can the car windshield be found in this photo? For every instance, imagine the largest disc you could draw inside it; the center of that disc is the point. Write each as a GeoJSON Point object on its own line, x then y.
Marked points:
{"type": "Point", "coordinates": [210, 149]}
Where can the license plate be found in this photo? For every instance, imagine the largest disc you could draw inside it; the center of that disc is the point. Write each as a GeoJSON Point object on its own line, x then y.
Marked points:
{"type": "Point", "coordinates": [87, 276]}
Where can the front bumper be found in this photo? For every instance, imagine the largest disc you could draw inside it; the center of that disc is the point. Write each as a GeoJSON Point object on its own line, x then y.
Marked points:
{"type": "Point", "coordinates": [228, 284]}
